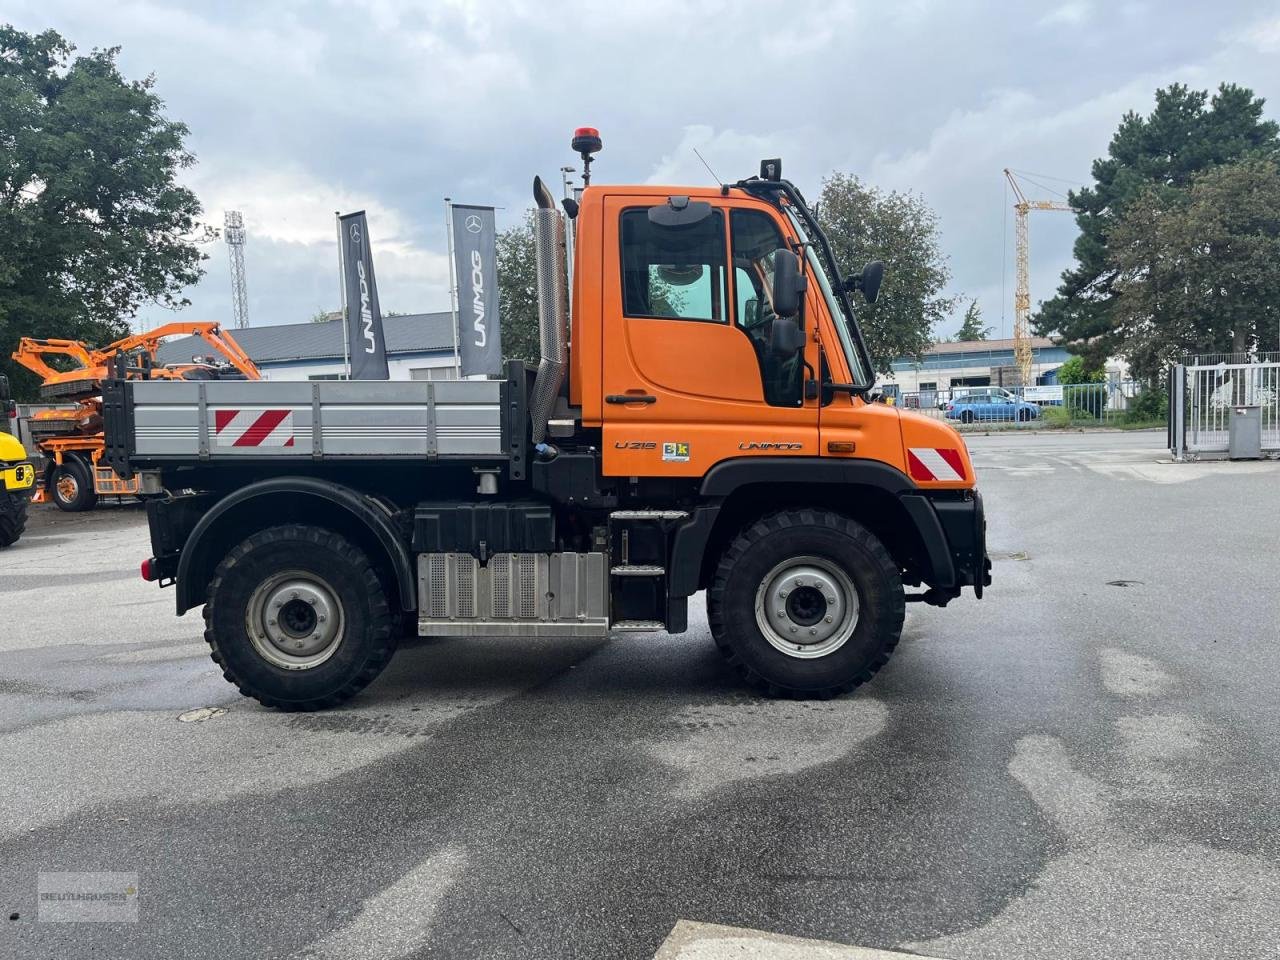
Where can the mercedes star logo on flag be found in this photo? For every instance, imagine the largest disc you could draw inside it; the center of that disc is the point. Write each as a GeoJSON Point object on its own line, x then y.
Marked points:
{"type": "Point", "coordinates": [473, 224]}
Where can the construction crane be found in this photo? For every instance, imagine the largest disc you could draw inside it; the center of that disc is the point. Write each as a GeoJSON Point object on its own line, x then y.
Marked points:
{"type": "Point", "coordinates": [233, 221]}
{"type": "Point", "coordinates": [1022, 294]}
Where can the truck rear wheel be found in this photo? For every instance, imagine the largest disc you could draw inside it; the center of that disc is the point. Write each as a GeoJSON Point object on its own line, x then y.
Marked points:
{"type": "Point", "coordinates": [71, 486]}
{"type": "Point", "coordinates": [806, 603]}
{"type": "Point", "coordinates": [297, 618]}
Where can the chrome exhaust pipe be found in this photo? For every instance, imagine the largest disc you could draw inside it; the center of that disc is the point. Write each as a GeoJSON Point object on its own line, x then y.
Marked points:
{"type": "Point", "coordinates": [553, 310]}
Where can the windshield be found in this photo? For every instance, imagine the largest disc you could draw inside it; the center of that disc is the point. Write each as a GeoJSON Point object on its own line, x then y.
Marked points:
{"type": "Point", "coordinates": [842, 321]}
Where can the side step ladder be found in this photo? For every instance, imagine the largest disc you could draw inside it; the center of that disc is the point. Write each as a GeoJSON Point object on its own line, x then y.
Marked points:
{"type": "Point", "coordinates": [639, 586]}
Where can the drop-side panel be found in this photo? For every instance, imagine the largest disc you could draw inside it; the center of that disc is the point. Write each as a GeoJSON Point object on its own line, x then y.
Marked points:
{"type": "Point", "coordinates": [175, 420]}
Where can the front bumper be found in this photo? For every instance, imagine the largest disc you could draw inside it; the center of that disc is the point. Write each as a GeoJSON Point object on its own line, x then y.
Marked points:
{"type": "Point", "coordinates": [953, 535]}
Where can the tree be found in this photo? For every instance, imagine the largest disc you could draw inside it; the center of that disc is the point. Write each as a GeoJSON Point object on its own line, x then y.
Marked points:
{"type": "Point", "coordinates": [864, 223]}
{"type": "Point", "coordinates": [972, 327]}
{"type": "Point", "coordinates": [1079, 398]}
{"type": "Point", "coordinates": [1187, 133]}
{"type": "Point", "coordinates": [1080, 370]}
{"type": "Point", "coordinates": [1197, 270]}
{"type": "Point", "coordinates": [518, 291]}
{"type": "Point", "coordinates": [93, 223]}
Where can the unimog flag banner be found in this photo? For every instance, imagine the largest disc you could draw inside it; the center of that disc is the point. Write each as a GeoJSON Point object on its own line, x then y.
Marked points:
{"type": "Point", "coordinates": [365, 341]}
{"type": "Point", "coordinates": [475, 259]}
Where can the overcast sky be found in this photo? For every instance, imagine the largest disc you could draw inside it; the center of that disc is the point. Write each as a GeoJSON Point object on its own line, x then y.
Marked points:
{"type": "Point", "coordinates": [299, 109]}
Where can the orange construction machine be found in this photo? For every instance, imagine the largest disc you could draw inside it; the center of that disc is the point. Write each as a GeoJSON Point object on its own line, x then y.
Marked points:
{"type": "Point", "coordinates": [69, 436]}
{"type": "Point", "coordinates": [702, 418]}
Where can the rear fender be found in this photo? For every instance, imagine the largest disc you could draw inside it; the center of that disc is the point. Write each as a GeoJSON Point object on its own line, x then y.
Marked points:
{"type": "Point", "coordinates": [237, 515]}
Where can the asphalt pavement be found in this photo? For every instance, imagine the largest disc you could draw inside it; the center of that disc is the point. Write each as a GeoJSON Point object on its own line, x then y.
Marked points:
{"type": "Point", "coordinates": [1082, 764]}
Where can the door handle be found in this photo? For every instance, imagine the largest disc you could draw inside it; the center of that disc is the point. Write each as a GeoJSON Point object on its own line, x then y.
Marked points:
{"type": "Point", "coordinates": [630, 398]}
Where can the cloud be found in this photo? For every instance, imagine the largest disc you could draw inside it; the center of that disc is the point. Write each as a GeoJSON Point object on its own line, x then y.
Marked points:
{"type": "Point", "coordinates": [1263, 36]}
{"type": "Point", "coordinates": [297, 109]}
{"type": "Point", "coordinates": [1071, 14]}
{"type": "Point", "coordinates": [728, 152]}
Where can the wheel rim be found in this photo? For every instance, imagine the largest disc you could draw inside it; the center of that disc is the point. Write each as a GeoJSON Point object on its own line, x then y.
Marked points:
{"type": "Point", "coordinates": [295, 620]}
{"type": "Point", "coordinates": [807, 607]}
{"type": "Point", "coordinates": [67, 486]}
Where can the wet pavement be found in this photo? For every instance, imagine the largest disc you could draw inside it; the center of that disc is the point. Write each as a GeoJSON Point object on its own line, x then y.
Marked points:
{"type": "Point", "coordinates": [1065, 769]}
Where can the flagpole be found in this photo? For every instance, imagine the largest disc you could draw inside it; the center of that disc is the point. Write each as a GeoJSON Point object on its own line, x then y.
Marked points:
{"type": "Point", "coordinates": [342, 298]}
{"type": "Point", "coordinates": [453, 287]}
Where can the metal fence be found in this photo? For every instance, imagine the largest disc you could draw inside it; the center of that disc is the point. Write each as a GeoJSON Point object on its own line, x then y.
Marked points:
{"type": "Point", "coordinates": [1203, 399]}
{"type": "Point", "coordinates": [1081, 404]}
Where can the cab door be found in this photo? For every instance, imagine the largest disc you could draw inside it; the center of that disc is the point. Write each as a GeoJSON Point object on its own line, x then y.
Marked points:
{"type": "Point", "coordinates": [688, 377]}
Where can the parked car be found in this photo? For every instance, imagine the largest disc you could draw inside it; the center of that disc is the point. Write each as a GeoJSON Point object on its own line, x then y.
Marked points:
{"type": "Point", "coordinates": [985, 405]}
{"type": "Point", "coordinates": [956, 394]}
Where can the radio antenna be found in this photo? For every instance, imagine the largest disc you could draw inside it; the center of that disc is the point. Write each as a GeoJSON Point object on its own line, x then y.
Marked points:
{"type": "Point", "coordinates": [718, 181]}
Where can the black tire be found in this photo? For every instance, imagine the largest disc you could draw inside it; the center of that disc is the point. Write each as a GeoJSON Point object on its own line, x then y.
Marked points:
{"type": "Point", "coordinates": [966, 416]}
{"type": "Point", "coordinates": [13, 517]}
{"type": "Point", "coordinates": [70, 486]}
{"type": "Point", "coordinates": [746, 569]}
{"type": "Point", "coordinates": [1024, 415]}
{"type": "Point", "coordinates": [364, 643]}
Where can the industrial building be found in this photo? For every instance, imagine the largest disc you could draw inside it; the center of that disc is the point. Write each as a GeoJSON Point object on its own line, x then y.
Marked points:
{"type": "Point", "coordinates": [980, 363]}
{"type": "Point", "coordinates": [419, 347]}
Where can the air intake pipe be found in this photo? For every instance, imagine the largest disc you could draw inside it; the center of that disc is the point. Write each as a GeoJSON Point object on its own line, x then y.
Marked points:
{"type": "Point", "coordinates": [548, 239]}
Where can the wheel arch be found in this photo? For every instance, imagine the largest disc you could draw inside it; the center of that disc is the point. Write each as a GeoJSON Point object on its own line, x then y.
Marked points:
{"type": "Point", "coordinates": [361, 519]}
{"type": "Point", "coordinates": [874, 494]}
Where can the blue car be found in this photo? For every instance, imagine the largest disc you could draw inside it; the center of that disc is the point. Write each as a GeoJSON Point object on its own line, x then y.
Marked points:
{"type": "Point", "coordinates": [987, 405]}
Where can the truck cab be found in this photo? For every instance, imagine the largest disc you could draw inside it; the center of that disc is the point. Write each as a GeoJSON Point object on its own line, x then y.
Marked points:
{"type": "Point", "coordinates": [702, 418]}
{"type": "Point", "coordinates": [676, 353]}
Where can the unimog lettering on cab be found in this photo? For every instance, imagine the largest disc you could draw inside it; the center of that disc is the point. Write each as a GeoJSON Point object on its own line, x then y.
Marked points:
{"type": "Point", "coordinates": [699, 421]}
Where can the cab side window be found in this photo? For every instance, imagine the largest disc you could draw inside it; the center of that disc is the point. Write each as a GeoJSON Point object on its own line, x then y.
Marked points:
{"type": "Point", "coordinates": [756, 240]}
{"type": "Point", "coordinates": [673, 273]}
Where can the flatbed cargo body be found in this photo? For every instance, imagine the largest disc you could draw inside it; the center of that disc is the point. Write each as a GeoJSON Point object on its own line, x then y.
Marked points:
{"type": "Point", "coordinates": [174, 421]}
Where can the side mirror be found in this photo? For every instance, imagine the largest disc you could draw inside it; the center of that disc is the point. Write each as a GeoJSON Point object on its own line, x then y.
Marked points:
{"type": "Point", "coordinates": [788, 283]}
{"type": "Point", "coordinates": [786, 339]}
{"type": "Point", "coordinates": [868, 281]}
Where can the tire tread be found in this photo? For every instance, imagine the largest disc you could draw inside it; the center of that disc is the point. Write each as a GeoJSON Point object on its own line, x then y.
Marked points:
{"type": "Point", "coordinates": [384, 636]}
{"type": "Point", "coordinates": [893, 601]}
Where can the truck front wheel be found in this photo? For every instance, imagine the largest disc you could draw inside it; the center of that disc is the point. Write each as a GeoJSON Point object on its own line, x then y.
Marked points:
{"type": "Point", "coordinates": [806, 603]}
{"type": "Point", "coordinates": [298, 619]}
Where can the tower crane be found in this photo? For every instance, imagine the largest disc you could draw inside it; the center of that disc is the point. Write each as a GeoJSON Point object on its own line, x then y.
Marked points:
{"type": "Point", "coordinates": [1022, 294]}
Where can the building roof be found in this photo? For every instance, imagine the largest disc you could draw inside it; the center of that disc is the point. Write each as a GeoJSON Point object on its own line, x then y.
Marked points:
{"type": "Point", "coordinates": [984, 346]}
{"type": "Point", "coordinates": [410, 333]}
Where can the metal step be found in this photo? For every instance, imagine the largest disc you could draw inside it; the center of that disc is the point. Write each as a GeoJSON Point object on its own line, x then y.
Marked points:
{"type": "Point", "coordinates": [638, 626]}
{"type": "Point", "coordinates": [648, 515]}
{"type": "Point", "coordinates": [637, 570]}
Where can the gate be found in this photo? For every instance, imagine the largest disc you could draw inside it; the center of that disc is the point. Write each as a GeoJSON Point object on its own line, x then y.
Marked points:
{"type": "Point", "coordinates": [1201, 400]}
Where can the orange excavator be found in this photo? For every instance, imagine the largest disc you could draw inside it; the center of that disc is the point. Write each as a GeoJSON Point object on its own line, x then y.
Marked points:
{"type": "Point", "coordinates": [69, 436]}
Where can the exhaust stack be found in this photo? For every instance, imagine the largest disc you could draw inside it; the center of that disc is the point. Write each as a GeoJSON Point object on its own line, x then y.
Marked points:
{"type": "Point", "coordinates": [549, 250]}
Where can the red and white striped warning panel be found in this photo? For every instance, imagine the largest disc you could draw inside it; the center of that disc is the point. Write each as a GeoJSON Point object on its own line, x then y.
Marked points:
{"type": "Point", "coordinates": [935, 463]}
{"type": "Point", "coordinates": [253, 428]}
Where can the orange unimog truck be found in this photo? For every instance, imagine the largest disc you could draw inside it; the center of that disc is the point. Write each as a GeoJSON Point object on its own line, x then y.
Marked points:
{"type": "Point", "coordinates": [69, 437]}
{"type": "Point", "coordinates": [700, 420]}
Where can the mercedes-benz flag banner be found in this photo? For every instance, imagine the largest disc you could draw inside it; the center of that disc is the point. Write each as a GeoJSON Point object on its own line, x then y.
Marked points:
{"type": "Point", "coordinates": [476, 262]}
{"type": "Point", "coordinates": [365, 341]}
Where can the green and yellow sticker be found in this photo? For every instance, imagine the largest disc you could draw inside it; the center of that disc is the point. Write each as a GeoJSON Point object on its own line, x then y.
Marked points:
{"type": "Point", "coordinates": [677, 452]}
